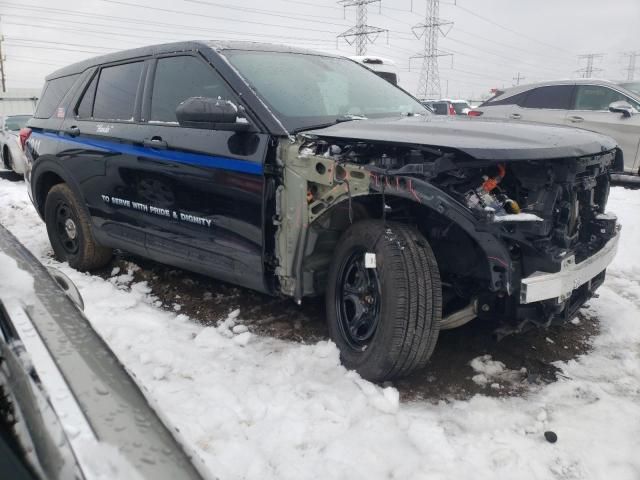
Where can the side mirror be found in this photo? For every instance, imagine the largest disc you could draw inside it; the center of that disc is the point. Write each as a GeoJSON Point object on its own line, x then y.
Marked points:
{"type": "Point", "coordinates": [622, 107]}
{"type": "Point", "coordinates": [210, 114]}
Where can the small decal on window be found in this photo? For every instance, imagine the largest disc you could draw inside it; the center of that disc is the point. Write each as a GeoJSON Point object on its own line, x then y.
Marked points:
{"type": "Point", "coordinates": [103, 128]}
{"type": "Point", "coordinates": [60, 112]}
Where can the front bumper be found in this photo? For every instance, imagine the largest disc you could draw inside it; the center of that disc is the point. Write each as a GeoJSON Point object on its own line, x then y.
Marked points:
{"type": "Point", "coordinates": [544, 286]}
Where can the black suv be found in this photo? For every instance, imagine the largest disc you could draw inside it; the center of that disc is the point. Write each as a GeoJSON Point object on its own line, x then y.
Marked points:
{"type": "Point", "coordinates": [299, 174]}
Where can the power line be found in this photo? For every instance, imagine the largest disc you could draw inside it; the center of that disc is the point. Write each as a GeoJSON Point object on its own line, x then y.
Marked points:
{"type": "Point", "coordinates": [362, 33]}
{"type": "Point", "coordinates": [489, 52]}
{"type": "Point", "coordinates": [515, 32]}
{"type": "Point", "coordinates": [215, 17]}
{"type": "Point", "coordinates": [588, 71]}
{"type": "Point", "coordinates": [52, 48]}
{"type": "Point", "coordinates": [163, 37]}
{"type": "Point", "coordinates": [430, 30]}
{"type": "Point", "coordinates": [272, 13]}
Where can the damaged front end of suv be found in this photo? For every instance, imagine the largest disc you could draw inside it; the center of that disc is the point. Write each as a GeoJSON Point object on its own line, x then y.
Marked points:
{"type": "Point", "coordinates": [519, 232]}
{"type": "Point", "coordinates": [410, 223]}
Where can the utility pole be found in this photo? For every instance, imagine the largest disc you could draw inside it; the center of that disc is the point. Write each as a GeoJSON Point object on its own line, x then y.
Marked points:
{"type": "Point", "coordinates": [3, 79]}
{"type": "Point", "coordinates": [518, 78]}
{"type": "Point", "coordinates": [631, 69]}
{"type": "Point", "coordinates": [430, 30]}
{"type": "Point", "coordinates": [362, 33]}
{"type": "Point", "coordinates": [588, 71]}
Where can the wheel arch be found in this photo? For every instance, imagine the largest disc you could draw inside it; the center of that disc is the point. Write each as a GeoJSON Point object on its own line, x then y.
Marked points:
{"type": "Point", "coordinates": [325, 232]}
{"type": "Point", "coordinates": [45, 174]}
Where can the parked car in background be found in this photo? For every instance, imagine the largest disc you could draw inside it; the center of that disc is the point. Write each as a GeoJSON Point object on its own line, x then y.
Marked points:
{"type": "Point", "coordinates": [11, 145]}
{"type": "Point", "coordinates": [597, 105]}
{"type": "Point", "coordinates": [461, 107]}
{"type": "Point", "coordinates": [440, 107]}
{"type": "Point", "coordinates": [382, 67]}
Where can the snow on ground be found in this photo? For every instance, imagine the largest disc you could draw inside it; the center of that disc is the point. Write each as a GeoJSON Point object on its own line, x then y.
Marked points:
{"type": "Point", "coordinates": [255, 407]}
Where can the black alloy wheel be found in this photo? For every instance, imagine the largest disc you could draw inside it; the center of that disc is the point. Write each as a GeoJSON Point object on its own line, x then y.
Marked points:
{"type": "Point", "coordinates": [357, 300]}
{"type": "Point", "coordinates": [384, 319]}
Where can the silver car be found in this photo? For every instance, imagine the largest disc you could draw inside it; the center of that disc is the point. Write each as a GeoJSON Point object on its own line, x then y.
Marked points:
{"type": "Point", "coordinates": [598, 105]}
{"type": "Point", "coordinates": [11, 150]}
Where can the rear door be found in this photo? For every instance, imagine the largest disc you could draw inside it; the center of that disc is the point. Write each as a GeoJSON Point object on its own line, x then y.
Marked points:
{"type": "Point", "coordinates": [590, 110]}
{"type": "Point", "coordinates": [548, 104]}
{"type": "Point", "coordinates": [99, 137]}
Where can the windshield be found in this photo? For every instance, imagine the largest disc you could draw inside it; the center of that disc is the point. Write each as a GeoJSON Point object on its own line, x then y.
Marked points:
{"type": "Point", "coordinates": [16, 122]}
{"type": "Point", "coordinates": [631, 86]}
{"type": "Point", "coordinates": [306, 91]}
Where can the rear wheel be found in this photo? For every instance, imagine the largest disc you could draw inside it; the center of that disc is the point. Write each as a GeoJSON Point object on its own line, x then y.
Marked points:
{"type": "Point", "coordinates": [69, 230]}
{"type": "Point", "coordinates": [385, 320]}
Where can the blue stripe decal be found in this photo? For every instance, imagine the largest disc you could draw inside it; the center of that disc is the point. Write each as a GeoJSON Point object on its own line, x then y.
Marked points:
{"type": "Point", "coordinates": [224, 163]}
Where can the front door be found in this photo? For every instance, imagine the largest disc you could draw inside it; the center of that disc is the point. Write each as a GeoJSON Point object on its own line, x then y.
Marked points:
{"type": "Point", "coordinates": [591, 112]}
{"type": "Point", "coordinates": [200, 190]}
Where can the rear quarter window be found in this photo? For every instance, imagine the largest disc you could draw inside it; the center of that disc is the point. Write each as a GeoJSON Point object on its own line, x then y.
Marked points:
{"type": "Point", "coordinates": [501, 99]}
{"type": "Point", "coordinates": [52, 95]}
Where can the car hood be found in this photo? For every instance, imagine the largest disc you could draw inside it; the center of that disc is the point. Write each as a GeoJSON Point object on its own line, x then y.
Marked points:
{"type": "Point", "coordinates": [482, 139]}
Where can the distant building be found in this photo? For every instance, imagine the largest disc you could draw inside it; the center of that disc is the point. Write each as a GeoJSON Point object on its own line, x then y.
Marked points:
{"type": "Point", "coordinates": [19, 100]}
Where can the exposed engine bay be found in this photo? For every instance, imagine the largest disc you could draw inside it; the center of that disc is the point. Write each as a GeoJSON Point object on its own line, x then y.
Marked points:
{"type": "Point", "coordinates": [490, 223]}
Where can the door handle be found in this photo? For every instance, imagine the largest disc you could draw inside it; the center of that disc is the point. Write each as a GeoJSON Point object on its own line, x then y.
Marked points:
{"type": "Point", "coordinates": [155, 142]}
{"type": "Point", "coordinates": [515, 116]}
{"type": "Point", "coordinates": [575, 119]}
{"type": "Point", "coordinates": [73, 131]}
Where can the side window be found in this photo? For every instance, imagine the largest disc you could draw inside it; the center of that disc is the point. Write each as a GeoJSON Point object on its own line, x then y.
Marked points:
{"type": "Point", "coordinates": [115, 96]}
{"type": "Point", "coordinates": [179, 78]}
{"type": "Point", "coordinates": [52, 95]}
{"type": "Point", "coordinates": [556, 97]}
{"type": "Point", "coordinates": [86, 104]}
{"type": "Point", "coordinates": [595, 97]}
{"type": "Point", "coordinates": [500, 100]}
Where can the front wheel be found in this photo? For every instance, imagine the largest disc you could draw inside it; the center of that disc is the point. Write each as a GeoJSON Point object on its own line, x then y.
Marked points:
{"type": "Point", "coordinates": [384, 319]}
{"type": "Point", "coordinates": [7, 160]}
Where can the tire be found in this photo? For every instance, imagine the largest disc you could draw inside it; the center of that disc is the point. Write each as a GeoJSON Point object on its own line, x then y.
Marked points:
{"type": "Point", "coordinates": [72, 242]}
{"type": "Point", "coordinates": [408, 306]}
{"type": "Point", "coordinates": [6, 158]}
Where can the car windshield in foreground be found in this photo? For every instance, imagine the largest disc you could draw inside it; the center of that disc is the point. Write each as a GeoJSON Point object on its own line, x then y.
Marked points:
{"type": "Point", "coordinates": [631, 86]}
{"type": "Point", "coordinates": [16, 122]}
{"type": "Point", "coordinates": [306, 91]}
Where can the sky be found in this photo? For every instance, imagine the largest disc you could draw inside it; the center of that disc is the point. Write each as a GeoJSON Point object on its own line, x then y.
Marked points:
{"type": "Point", "coordinates": [491, 41]}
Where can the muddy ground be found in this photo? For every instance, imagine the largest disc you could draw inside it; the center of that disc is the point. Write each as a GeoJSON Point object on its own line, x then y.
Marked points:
{"type": "Point", "coordinates": [529, 356]}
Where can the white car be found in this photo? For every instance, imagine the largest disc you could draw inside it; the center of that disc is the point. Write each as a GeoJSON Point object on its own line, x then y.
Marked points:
{"type": "Point", "coordinates": [11, 150]}
{"type": "Point", "coordinates": [597, 105]}
{"type": "Point", "coordinates": [461, 107]}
